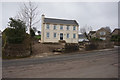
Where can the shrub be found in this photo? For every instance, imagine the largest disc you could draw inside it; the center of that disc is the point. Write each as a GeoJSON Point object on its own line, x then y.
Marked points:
{"type": "Point", "coordinates": [96, 39]}
{"type": "Point", "coordinates": [70, 47]}
{"type": "Point", "coordinates": [62, 41]}
{"type": "Point", "coordinates": [37, 36]}
{"type": "Point", "coordinates": [15, 40]}
{"type": "Point", "coordinates": [16, 32]}
{"type": "Point", "coordinates": [115, 38]}
{"type": "Point", "coordinates": [11, 35]}
{"type": "Point", "coordinates": [91, 46]}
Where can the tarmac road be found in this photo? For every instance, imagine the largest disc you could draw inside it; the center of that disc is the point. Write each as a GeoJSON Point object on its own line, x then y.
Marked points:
{"type": "Point", "coordinates": [95, 64]}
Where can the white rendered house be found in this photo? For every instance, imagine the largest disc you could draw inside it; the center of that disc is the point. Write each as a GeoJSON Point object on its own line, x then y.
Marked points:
{"type": "Point", "coordinates": [55, 30]}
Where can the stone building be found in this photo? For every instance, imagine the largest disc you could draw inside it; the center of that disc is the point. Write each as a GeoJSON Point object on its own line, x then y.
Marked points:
{"type": "Point", "coordinates": [103, 34]}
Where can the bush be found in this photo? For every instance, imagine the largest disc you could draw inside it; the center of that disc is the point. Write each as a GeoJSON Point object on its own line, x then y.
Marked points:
{"type": "Point", "coordinates": [115, 38]}
{"type": "Point", "coordinates": [11, 35]}
{"type": "Point", "coordinates": [70, 47]}
{"type": "Point", "coordinates": [62, 41]}
{"type": "Point", "coordinates": [96, 39]}
{"type": "Point", "coordinates": [15, 40]}
{"type": "Point", "coordinates": [91, 46]}
{"type": "Point", "coordinates": [16, 33]}
{"type": "Point", "coordinates": [37, 36]}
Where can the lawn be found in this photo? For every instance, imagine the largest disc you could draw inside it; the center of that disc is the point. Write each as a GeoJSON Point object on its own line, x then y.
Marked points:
{"type": "Point", "coordinates": [37, 36]}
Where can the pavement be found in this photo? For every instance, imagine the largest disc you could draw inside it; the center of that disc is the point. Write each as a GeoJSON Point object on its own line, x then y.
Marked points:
{"type": "Point", "coordinates": [95, 64]}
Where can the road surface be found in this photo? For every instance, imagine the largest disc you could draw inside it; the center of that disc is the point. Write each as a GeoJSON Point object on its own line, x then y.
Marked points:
{"type": "Point", "coordinates": [95, 64]}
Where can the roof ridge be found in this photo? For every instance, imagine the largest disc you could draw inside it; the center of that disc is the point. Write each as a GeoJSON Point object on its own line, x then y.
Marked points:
{"type": "Point", "coordinates": [61, 19]}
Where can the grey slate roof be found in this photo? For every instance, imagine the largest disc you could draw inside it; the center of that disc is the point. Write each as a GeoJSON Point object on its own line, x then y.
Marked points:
{"type": "Point", "coordinates": [60, 21]}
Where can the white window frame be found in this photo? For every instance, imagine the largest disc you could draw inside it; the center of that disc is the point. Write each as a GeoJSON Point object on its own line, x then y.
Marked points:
{"type": "Point", "coordinates": [68, 27]}
{"type": "Point", "coordinates": [54, 27]}
{"type": "Point", "coordinates": [74, 36]}
{"type": "Point", "coordinates": [48, 35]}
{"type": "Point", "coordinates": [47, 26]}
{"type": "Point", "coordinates": [61, 26]}
{"type": "Point", "coordinates": [74, 28]}
{"type": "Point", "coordinates": [54, 35]}
{"type": "Point", "coordinates": [68, 35]}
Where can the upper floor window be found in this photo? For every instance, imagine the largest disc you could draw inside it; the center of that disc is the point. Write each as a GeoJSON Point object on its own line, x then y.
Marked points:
{"type": "Point", "coordinates": [74, 28]}
{"type": "Point", "coordinates": [48, 26]}
{"type": "Point", "coordinates": [54, 27]}
{"type": "Point", "coordinates": [48, 34]}
{"type": "Point", "coordinates": [102, 33]}
{"type": "Point", "coordinates": [67, 35]}
{"type": "Point", "coordinates": [67, 27]}
{"type": "Point", "coordinates": [61, 27]}
{"type": "Point", "coordinates": [74, 35]}
{"type": "Point", "coordinates": [54, 35]}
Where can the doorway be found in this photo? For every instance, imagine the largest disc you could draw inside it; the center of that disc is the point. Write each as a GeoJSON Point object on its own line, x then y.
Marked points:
{"type": "Point", "coordinates": [61, 36]}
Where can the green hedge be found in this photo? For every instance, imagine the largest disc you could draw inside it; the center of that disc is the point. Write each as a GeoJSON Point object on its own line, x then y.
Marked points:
{"type": "Point", "coordinates": [91, 46]}
{"type": "Point", "coordinates": [37, 36]}
{"type": "Point", "coordinates": [115, 38]}
{"type": "Point", "coordinates": [15, 40]}
{"type": "Point", "coordinates": [96, 39]}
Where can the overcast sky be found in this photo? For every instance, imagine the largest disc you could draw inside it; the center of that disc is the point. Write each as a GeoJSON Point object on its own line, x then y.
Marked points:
{"type": "Point", "coordinates": [94, 14]}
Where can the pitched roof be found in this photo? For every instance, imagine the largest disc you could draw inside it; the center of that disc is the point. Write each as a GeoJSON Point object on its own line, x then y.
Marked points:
{"type": "Point", "coordinates": [105, 28]}
{"type": "Point", "coordinates": [60, 21]}
{"type": "Point", "coordinates": [117, 30]}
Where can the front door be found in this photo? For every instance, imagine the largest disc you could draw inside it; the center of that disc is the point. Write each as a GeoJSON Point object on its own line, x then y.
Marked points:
{"type": "Point", "coordinates": [61, 36]}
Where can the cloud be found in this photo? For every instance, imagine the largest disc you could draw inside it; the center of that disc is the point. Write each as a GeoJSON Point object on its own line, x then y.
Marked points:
{"type": "Point", "coordinates": [95, 14]}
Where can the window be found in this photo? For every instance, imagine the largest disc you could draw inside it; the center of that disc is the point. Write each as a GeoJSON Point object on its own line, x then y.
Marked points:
{"type": "Point", "coordinates": [67, 27]}
{"type": "Point", "coordinates": [48, 35]}
{"type": "Point", "coordinates": [54, 27]}
{"type": "Point", "coordinates": [47, 27]}
{"type": "Point", "coordinates": [102, 33]}
{"type": "Point", "coordinates": [61, 27]}
{"type": "Point", "coordinates": [74, 35]}
{"type": "Point", "coordinates": [74, 28]}
{"type": "Point", "coordinates": [54, 35]}
{"type": "Point", "coordinates": [67, 35]}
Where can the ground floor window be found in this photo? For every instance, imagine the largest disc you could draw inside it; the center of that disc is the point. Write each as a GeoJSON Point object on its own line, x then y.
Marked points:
{"type": "Point", "coordinates": [48, 34]}
{"type": "Point", "coordinates": [67, 35]}
{"type": "Point", "coordinates": [74, 35]}
{"type": "Point", "coordinates": [54, 35]}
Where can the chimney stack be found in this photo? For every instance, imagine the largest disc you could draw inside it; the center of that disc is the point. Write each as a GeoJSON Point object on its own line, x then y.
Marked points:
{"type": "Point", "coordinates": [43, 16]}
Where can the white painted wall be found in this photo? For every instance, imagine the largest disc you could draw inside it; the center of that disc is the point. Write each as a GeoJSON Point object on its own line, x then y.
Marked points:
{"type": "Point", "coordinates": [51, 31]}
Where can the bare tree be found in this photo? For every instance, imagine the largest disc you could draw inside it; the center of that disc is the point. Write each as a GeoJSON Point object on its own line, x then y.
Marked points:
{"type": "Point", "coordinates": [28, 13]}
{"type": "Point", "coordinates": [85, 30]}
{"type": "Point", "coordinates": [82, 30]}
